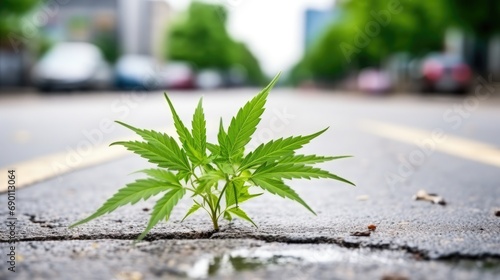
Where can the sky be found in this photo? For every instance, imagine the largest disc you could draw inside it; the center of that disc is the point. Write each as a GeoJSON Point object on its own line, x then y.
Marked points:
{"type": "Point", "coordinates": [272, 29]}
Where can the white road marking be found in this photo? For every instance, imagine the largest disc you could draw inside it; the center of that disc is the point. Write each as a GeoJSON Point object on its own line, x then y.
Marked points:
{"type": "Point", "coordinates": [453, 145]}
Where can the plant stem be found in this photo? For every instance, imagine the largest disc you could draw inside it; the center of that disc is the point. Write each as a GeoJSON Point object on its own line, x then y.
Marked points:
{"type": "Point", "coordinates": [217, 206]}
{"type": "Point", "coordinates": [215, 222]}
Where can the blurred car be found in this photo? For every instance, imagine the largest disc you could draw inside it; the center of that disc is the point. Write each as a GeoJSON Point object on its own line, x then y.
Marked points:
{"type": "Point", "coordinates": [372, 80]}
{"type": "Point", "coordinates": [445, 73]}
{"type": "Point", "coordinates": [236, 76]}
{"type": "Point", "coordinates": [136, 72]}
{"type": "Point", "coordinates": [176, 75]}
{"type": "Point", "coordinates": [209, 79]}
{"type": "Point", "coordinates": [72, 66]}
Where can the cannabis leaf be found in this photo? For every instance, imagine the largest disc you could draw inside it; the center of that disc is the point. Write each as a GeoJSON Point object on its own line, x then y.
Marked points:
{"type": "Point", "coordinates": [245, 123]}
{"type": "Point", "coordinates": [219, 176]}
{"type": "Point", "coordinates": [132, 193]}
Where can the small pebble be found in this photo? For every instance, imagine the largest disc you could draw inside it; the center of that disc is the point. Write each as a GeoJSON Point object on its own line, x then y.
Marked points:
{"type": "Point", "coordinates": [362, 197]}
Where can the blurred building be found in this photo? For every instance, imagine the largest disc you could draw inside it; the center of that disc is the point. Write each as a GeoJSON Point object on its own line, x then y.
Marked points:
{"type": "Point", "coordinates": [82, 20]}
{"type": "Point", "coordinates": [316, 23]}
{"type": "Point", "coordinates": [143, 25]}
{"type": "Point", "coordinates": [117, 27]}
{"type": "Point", "coordinates": [129, 26]}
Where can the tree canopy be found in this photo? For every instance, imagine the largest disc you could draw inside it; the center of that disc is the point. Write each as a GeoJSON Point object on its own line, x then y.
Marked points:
{"type": "Point", "coordinates": [369, 31]}
{"type": "Point", "coordinates": [11, 15]}
{"type": "Point", "coordinates": [200, 37]}
{"type": "Point", "coordinates": [478, 17]}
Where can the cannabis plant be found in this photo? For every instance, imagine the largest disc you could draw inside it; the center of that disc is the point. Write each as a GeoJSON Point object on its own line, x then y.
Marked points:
{"type": "Point", "coordinates": [219, 176]}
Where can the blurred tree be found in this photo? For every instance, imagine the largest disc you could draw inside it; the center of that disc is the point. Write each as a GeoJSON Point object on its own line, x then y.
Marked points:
{"type": "Point", "coordinates": [392, 26]}
{"type": "Point", "coordinates": [108, 43]}
{"type": "Point", "coordinates": [479, 19]}
{"type": "Point", "coordinates": [369, 31]}
{"type": "Point", "coordinates": [11, 15]}
{"type": "Point", "coordinates": [243, 57]}
{"type": "Point", "coordinates": [201, 38]}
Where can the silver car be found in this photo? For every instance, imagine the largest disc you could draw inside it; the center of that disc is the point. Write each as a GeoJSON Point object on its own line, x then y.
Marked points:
{"type": "Point", "coordinates": [72, 66]}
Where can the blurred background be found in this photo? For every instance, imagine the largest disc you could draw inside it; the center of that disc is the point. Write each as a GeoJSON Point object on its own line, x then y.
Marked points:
{"type": "Point", "coordinates": [375, 47]}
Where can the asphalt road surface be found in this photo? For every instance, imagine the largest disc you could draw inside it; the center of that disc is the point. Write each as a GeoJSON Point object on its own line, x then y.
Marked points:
{"type": "Point", "coordinates": [449, 146]}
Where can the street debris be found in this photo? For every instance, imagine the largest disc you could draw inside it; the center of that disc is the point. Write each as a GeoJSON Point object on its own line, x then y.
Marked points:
{"type": "Point", "coordinates": [362, 197]}
{"type": "Point", "coordinates": [432, 197]}
{"type": "Point", "coordinates": [371, 228]}
{"type": "Point", "coordinates": [394, 276]}
{"type": "Point", "coordinates": [497, 212]}
{"type": "Point", "coordinates": [361, 233]}
{"type": "Point", "coordinates": [134, 275]}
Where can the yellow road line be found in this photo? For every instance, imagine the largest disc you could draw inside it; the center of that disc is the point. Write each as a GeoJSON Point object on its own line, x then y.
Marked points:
{"type": "Point", "coordinates": [46, 167]}
{"type": "Point", "coordinates": [453, 145]}
{"type": "Point", "coordinates": [54, 165]}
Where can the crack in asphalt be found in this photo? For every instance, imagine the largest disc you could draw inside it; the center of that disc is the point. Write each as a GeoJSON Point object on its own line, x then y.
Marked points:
{"type": "Point", "coordinates": [215, 235]}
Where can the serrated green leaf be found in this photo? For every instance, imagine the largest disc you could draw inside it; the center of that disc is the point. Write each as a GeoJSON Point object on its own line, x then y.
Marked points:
{"type": "Point", "coordinates": [159, 148]}
{"type": "Point", "coordinates": [131, 193]}
{"type": "Point", "coordinates": [199, 130]}
{"type": "Point", "coordinates": [276, 149]}
{"type": "Point", "coordinates": [166, 155]}
{"type": "Point", "coordinates": [147, 135]}
{"type": "Point", "coordinates": [308, 159]}
{"type": "Point", "coordinates": [244, 197]}
{"type": "Point", "coordinates": [163, 175]}
{"type": "Point", "coordinates": [227, 216]}
{"type": "Point", "coordinates": [211, 177]}
{"type": "Point", "coordinates": [222, 138]}
{"type": "Point", "coordinates": [185, 137]}
{"type": "Point", "coordinates": [214, 149]}
{"type": "Point", "coordinates": [240, 213]}
{"type": "Point", "coordinates": [278, 187]}
{"type": "Point", "coordinates": [208, 180]}
{"type": "Point", "coordinates": [182, 131]}
{"type": "Point", "coordinates": [242, 192]}
{"type": "Point", "coordinates": [244, 124]}
{"type": "Point", "coordinates": [291, 171]}
{"type": "Point", "coordinates": [226, 168]}
{"type": "Point", "coordinates": [232, 192]}
{"type": "Point", "coordinates": [163, 209]}
{"type": "Point", "coordinates": [193, 209]}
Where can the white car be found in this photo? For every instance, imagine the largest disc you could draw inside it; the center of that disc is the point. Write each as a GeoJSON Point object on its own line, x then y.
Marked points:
{"type": "Point", "coordinates": [72, 66]}
{"type": "Point", "coordinates": [209, 79]}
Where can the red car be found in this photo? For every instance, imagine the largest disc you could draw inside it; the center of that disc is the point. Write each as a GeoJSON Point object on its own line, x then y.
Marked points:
{"type": "Point", "coordinates": [445, 73]}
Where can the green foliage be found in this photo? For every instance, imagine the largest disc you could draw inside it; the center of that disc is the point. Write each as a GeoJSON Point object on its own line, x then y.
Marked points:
{"type": "Point", "coordinates": [11, 16]}
{"type": "Point", "coordinates": [200, 37]}
{"type": "Point", "coordinates": [108, 43]}
{"type": "Point", "coordinates": [415, 27]}
{"type": "Point", "coordinates": [479, 17]}
{"type": "Point", "coordinates": [219, 176]}
{"type": "Point", "coordinates": [243, 57]}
